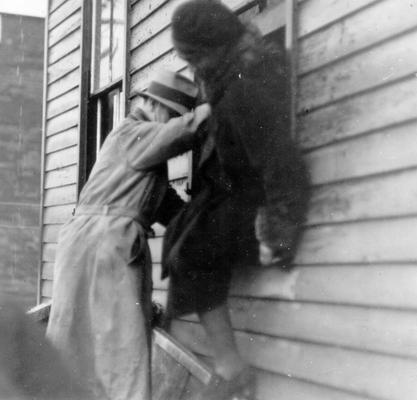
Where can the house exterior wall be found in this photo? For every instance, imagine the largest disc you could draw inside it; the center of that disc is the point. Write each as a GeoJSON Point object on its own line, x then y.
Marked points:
{"type": "Point", "coordinates": [61, 128]}
{"type": "Point", "coordinates": [341, 325]}
{"type": "Point", "coordinates": [21, 62]}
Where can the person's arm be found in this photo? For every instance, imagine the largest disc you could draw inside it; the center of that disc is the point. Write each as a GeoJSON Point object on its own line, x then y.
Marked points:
{"type": "Point", "coordinates": [261, 125]}
{"type": "Point", "coordinates": [153, 143]}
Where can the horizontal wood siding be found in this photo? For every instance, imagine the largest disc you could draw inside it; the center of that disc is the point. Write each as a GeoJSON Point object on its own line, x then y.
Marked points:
{"type": "Point", "coordinates": [61, 128]}
{"type": "Point", "coordinates": [344, 319]}
{"type": "Point", "coordinates": [342, 323]}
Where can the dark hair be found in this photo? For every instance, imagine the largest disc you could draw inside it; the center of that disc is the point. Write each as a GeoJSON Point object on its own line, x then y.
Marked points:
{"type": "Point", "coordinates": [205, 23]}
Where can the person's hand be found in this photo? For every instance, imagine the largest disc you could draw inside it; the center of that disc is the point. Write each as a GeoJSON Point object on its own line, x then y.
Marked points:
{"type": "Point", "coordinates": [266, 255]}
{"type": "Point", "coordinates": [202, 112]}
{"type": "Point", "coordinates": [269, 257]}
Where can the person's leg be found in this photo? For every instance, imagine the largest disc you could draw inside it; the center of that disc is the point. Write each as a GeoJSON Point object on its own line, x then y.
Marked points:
{"type": "Point", "coordinates": [227, 360]}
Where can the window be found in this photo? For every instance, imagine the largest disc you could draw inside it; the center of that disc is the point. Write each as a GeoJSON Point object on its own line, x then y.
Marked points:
{"type": "Point", "coordinates": [107, 99]}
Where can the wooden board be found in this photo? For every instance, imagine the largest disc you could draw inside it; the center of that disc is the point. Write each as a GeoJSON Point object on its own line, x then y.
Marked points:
{"type": "Point", "coordinates": [65, 11]}
{"type": "Point", "coordinates": [48, 253]}
{"type": "Point", "coordinates": [142, 9]}
{"type": "Point", "coordinates": [141, 76]}
{"type": "Point", "coordinates": [57, 214]}
{"type": "Point", "coordinates": [365, 241]}
{"type": "Point", "coordinates": [151, 50]}
{"type": "Point", "coordinates": [64, 66]}
{"type": "Point", "coordinates": [64, 29]}
{"type": "Point", "coordinates": [271, 18]}
{"type": "Point", "coordinates": [60, 195]}
{"type": "Point", "coordinates": [273, 386]}
{"type": "Point", "coordinates": [61, 177]}
{"type": "Point", "coordinates": [316, 14]}
{"type": "Point", "coordinates": [62, 140]}
{"type": "Point", "coordinates": [390, 61]}
{"type": "Point", "coordinates": [64, 84]}
{"type": "Point", "coordinates": [50, 233]}
{"type": "Point", "coordinates": [63, 103]}
{"type": "Point", "coordinates": [178, 167]}
{"type": "Point", "coordinates": [383, 151]}
{"type": "Point", "coordinates": [153, 24]}
{"type": "Point", "coordinates": [55, 4]}
{"type": "Point", "coordinates": [62, 122]}
{"type": "Point", "coordinates": [360, 328]}
{"type": "Point", "coordinates": [61, 159]}
{"type": "Point", "coordinates": [48, 271]}
{"type": "Point", "coordinates": [358, 242]}
{"type": "Point", "coordinates": [361, 199]}
{"type": "Point", "coordinates": [174, 368]}
{"type": "Point", "coordinates": [389, 286]}
{"type": "Point", "coordinates": [46, 288]}
{"type": "Point", "coordinates": [358, 115]}
{"type": "Point", "coordinates": [64, 47]}
{"type": "Point", "coordinates": [391, 377]}
{"type": "Point", "coordinates": [354, 33]}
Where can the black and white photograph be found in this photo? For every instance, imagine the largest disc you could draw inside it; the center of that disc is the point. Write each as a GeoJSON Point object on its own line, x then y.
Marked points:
{"type": "Point", "coordinates": [208, 199]}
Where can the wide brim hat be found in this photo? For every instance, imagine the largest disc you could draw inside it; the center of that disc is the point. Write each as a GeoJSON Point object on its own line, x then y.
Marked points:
{"type": "Point", "coordinates": [173, 90]}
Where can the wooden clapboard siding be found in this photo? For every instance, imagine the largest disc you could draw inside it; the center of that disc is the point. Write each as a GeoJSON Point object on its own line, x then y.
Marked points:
{"type": "Point", "coordinates": [65, 11]}
{"type": "Point", "coordinates": [60, 195]}
{"type": "Point", "coordinates": [60, 177]}
{"type": "Point", "coordinates": [366, 373]}
{"type": "Point", "coordinates": [384, 150]}
{"type": "Point", "coordinates": [50, 233]}
{"type": "Point", "coordinates": [374, 110]}
{"type": "Point", "coordinates": [57, 214]}
{"type": "Point", "coordinates": [65, 83]}
{"type": "Point", "coordinates": [341, 284]}
{"type": "Point", "coordinates": [349, 305]}
{"type": "Point", "coordinates": [62, 115]}
{"type": "Point", "coordinates": [61, 158]}
{"type": "Point", "coordinates": [273, 386]}
{"type": "Point", "coordinates": [340, 40]}
{"type": "Point", "coordinates": [62, 122]}
{"type": "Point", "coordinates": [62, 140]}
{"type": "Point", "coordinates": [63, 103]}
{"type": "Point", "coordinates": [178, 167]}
{"type": "Point", "coordinates": [65, 28]}
{"type": "Point", "coordinates": [48, 271]}
{"type": "Point", "coordinates": [356, 122]}
{"type": "Point", "coordinates": [55, 4]}
{"type": "Point", "coordinates": [48, 253]}
{"type": "Point", "coordinates": [64, 47]}
{"type": "Point", "coordinates": [64, 66]}
{"type": "Point", "coordinates": [151, 47]}
{"type": "Point", "coordinates": [359, 328]}
{"type": "Point", "coordinates": [390, 61]}
{"type": "Point", "coordinates": [314, 15]}
{"type": "Point", "coordinates": [359, 200]}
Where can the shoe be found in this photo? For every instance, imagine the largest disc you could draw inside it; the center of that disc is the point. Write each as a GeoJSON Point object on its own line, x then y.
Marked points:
{"type": "Point", "coordinates": [241, 387]}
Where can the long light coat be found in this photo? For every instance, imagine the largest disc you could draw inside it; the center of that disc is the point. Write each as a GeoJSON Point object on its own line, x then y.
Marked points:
{"type": "Point", "coordinates": [100, 317]}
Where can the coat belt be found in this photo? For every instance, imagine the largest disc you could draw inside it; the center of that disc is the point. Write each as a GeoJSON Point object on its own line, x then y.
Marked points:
{"type": "Point", "coordinates": [87, 209]}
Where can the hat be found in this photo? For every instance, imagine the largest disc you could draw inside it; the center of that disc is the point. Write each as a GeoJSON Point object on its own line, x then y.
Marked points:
{"type": "Point", "coordinates": [205, 23]}
{"type": "Point", "coordinates": [173, 90]}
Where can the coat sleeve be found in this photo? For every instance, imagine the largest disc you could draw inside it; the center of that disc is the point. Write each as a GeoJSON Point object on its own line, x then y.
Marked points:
{"type": "Point", "coordinates": [259, 122]}
{"type": "Point", "coordinates": [148, 144]}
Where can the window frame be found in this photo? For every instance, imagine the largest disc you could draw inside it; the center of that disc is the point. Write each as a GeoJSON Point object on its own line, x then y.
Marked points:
{"type": "Point", "coordinates": [89, 98]}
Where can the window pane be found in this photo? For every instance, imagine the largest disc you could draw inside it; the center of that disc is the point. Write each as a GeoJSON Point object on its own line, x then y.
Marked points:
{"type": "Point", "coordinates": [117, 39]}
{"type": "Point", "coordinates": [108, 42]}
